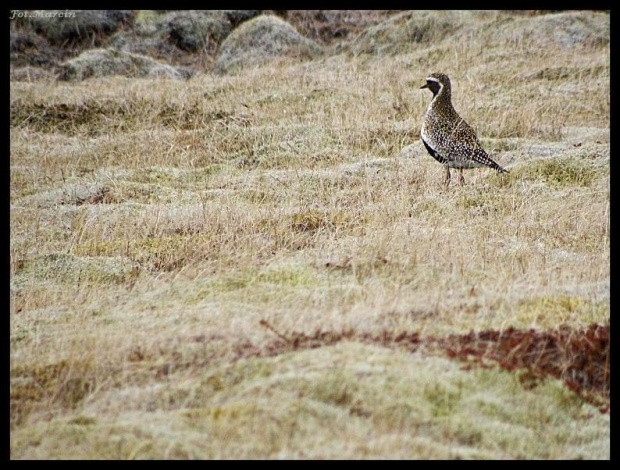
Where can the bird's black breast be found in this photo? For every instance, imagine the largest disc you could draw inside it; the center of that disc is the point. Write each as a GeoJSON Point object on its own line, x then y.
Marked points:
{"type": "Point", "coordinates": [433, 153]}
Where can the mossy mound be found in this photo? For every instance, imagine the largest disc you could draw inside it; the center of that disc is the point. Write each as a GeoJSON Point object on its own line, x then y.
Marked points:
{"type": "Point", "coordinates": [400, 32]}
{"type": "Point", "coordinates": [177, 37]}
{"type": "Point", "coordinates": [104, 62]}
{"type": "Point", "coordinates": [261, 40]}
{"type": "Point", "coordinates": [568, 30]}
{"type": "Point", "coordinates": [63, 267]}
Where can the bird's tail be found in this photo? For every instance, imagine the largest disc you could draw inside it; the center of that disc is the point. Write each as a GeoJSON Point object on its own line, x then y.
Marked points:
{"type": "Point", "coordinates": [482, 157]}
{"type": "Point", "coordinates": [499, 169]}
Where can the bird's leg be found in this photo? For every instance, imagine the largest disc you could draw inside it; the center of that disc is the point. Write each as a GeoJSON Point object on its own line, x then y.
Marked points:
{"type": "Point", "coordinates": [447, 178]}
{"type": "Point", "coordinates": [461, 177]}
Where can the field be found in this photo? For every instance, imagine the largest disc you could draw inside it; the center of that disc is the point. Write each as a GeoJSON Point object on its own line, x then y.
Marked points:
{"type": "Point", "coordinates": [227, 267]}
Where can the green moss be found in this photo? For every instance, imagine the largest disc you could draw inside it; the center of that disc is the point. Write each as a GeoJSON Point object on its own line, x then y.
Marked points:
{"type": "Point", "coordinates": [233, 411]}
{"type": "Point", "coordinates": [63, 384]}
{"type": "Point", "coordinates": [477, 199]}
{"type": "Point", "coordinates": [231, 282]}
{"type": "Point", "coordinates": [558, 172]}
{"type": "Point", "coordinates": [481, 201]}
{"type": "Point", "coordinates": [563, 73]}
{"type": "Point", "coordinates": [443, 398]}
{"type": "Point", "coordinates": [163, 253]}
{"type": "Point", "coordinates": [334, 388]}
{"type": "Point", "coordinates": [287, 276]}
{"type": "Point", "coordinates": [69, 268]}
{"type": "Point", "coordinates": [208, 170]}
{"type": "Point", "coordinates": [312, 220]}
{"type": "Point", "coordinates": [301, 402]}
{"type": "Point", "coordinates": [166, 252]}
{"type": "Point", "coordinates": [229, 377]}
{"type": "Point", "coordinates": [147, 17]}
{"type": "Point", "coordinates": [262, 285]}
{"type": "Point", "coordinates": [499, 145]}
{"type": "Point", "coordinates": [83, 420]}
{"type": "Point", "coordinates": [152, 176]}
{"type": "Point", "coordinates": [559, 308]}
{"type": "Point", "coordinates": [259, 196]}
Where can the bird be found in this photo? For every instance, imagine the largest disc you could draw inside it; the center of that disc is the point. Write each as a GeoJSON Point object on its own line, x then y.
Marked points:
{"type": "Point", "coordinates": [446, 135]}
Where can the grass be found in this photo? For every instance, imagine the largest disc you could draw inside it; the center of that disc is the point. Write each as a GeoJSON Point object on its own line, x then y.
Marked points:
{"type": "Point", "coordinates": [561, 172]}
{"type": "Point", "coordinates": [371, 401]}
{"type": "Point", "coordinates": [155, 223]}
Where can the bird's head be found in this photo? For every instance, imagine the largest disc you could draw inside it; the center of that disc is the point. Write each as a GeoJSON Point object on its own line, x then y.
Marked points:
{"type": "Point", "coordinates": [436, 82]}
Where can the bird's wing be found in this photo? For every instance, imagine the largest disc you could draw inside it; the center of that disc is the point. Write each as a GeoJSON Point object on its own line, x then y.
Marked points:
{"type": "Point", "coordinates": [460, 143]}
{"type": "Point", "coordinates": [453, 142]}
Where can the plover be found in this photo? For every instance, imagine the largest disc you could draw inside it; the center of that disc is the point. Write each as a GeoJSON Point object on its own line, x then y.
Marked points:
{"type": "Point", "coordinates": [446, 135]}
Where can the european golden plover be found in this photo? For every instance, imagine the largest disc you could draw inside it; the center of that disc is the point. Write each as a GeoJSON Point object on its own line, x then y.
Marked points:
{"type": "Point", "coordinates": [446, 135]}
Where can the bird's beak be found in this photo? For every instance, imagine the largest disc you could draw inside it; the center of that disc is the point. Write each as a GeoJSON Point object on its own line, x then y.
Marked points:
{"type": "Point", "coordinates": [424, 86]}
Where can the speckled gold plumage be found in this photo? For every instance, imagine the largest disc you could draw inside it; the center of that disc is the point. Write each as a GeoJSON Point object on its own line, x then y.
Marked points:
{"type": "Point", "coordinates": [446, 136]}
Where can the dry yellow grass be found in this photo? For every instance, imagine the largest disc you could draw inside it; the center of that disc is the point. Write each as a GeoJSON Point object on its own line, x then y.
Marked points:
{"type": "Point", "coordinates": [154, 223]}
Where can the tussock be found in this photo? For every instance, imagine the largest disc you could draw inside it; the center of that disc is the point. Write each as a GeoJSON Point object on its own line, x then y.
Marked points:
{"type": "Point", "coordinates": [104, 62]}
{"type": "Point", "coordinates": [62, 267]}
{"type": "Point", "coordinates": [568, 30]}
{"type": "Point", "coordinates": [402, 32]}
{"type": "Point", "coordinates": [261, 40]}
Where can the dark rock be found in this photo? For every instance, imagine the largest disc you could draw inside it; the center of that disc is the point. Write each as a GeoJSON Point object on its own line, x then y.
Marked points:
{"type": "Point", "coordinates": [59, 26]}
{"type": "Point", "coordinates": [198, 29]}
